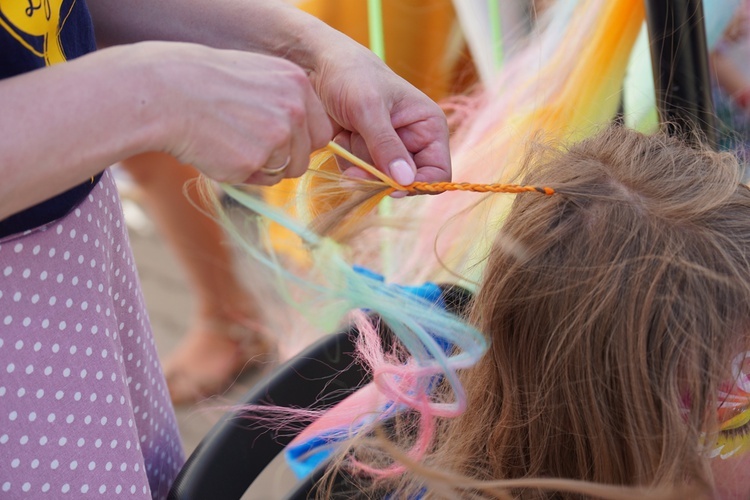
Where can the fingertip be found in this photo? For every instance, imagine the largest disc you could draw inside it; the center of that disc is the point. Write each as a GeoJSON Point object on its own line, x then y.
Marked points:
{"type": "Point", "coordinates": [402, 172]}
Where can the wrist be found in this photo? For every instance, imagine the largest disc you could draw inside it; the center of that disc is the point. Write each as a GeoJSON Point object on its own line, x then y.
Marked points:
{"type": "Point", "coordinates": [329, 50]}
{"type": "Point", "coordinates": [149, 112]}
{"type": "Point", "coordinates": [109, 91]}
{"type": "Point", "coordinates": [301, 38]}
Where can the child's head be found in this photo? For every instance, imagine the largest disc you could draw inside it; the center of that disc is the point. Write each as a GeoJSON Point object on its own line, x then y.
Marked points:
{"type": "Point", "coordinates": [618, 311]}
{"type": "Point", "coordinates": [615, 309]}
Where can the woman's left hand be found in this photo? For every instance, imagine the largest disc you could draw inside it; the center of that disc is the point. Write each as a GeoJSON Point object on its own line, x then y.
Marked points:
{"type": "Point", "coordinates": [381, 117]}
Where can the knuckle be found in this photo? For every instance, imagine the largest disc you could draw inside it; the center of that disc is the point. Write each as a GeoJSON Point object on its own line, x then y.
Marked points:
{"type": "Point", "coordinates": [276, 135]}
{"type": "Point", "coordinates": [250, 158]}
{"type": "Point", "coordinates": [385, 139]}
{"type": "Point", "coordinates": [320, 136]}
{"type": "Point", "coordinates": [296, 112]}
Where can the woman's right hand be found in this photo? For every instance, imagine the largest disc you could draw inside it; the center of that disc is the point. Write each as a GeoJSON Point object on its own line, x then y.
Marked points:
{"type": "Point", "coordinates": [231, 114]}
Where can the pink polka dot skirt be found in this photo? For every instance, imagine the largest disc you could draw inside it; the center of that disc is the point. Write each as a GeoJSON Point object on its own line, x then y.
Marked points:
{"type": "Point", "coordinates": [84, 409]}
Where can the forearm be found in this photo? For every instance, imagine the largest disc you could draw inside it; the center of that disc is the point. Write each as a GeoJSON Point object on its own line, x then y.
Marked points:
{"type": "Point", "coordinates": [270, 27]}
{"type": "Point", "coordinates": [65, 123]}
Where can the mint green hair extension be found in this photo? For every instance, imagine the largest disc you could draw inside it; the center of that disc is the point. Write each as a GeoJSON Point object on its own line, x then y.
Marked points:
{"type": "Point", "coordinates": [334, 289]}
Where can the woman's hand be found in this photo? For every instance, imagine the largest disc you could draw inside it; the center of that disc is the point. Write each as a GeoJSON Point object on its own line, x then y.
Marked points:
{"type": "Point", "coordinates": [236, 116]}
{"type": "Point", "coordinates": [382, 117]}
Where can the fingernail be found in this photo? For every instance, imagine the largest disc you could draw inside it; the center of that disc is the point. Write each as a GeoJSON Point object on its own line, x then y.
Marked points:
{"type": "Point", "coordinates": [402, 172]}
{"type": "Point", "coordinates": [398, 194]}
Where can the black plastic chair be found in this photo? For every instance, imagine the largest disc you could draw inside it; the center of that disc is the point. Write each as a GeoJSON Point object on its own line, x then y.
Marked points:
{"type": "Point", "coordinates": [237, 449]}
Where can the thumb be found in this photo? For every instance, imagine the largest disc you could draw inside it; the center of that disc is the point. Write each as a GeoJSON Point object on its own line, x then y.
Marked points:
{"type": "Point", "coordinates": [387, 149]}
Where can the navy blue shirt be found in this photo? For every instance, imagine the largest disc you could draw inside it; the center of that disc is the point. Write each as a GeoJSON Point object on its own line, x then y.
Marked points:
{"type": "Point", "coordinates": [35, 34]}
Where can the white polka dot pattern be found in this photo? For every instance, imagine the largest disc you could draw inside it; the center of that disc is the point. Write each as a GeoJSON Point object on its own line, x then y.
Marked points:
{"type": "Point", "coordinates": [84, 410]}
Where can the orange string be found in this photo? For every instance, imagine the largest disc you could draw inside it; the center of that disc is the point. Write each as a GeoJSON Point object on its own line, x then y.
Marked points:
{"type": "Point", "coordinates": [441, 187]}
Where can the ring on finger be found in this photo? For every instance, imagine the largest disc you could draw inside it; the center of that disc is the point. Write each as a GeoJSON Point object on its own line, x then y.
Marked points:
{"type": "Point", "coordinates": [277, 170]}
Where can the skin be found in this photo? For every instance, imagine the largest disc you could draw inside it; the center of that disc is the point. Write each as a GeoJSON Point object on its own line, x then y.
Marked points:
{"type": "Point", "coordinates": [229, 112]}
{"type": "Point", "coordinates": [731, 474]}
{"type": "Point", "coordinates": [732, 477]}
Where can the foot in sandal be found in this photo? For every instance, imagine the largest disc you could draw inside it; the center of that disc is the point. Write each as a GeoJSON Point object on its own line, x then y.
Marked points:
{"type": "Point", "coordinates": [211, 357]}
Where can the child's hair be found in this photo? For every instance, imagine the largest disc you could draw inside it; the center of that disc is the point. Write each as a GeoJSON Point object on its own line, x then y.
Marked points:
{"type": "Point", "coordinates": [617, 311]}
{"type": "Point", "coordinates": [613, 321]}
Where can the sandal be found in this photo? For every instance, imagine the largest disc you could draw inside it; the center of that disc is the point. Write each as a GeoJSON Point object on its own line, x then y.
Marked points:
{"type": "Point", "coordinates": [211, 358]}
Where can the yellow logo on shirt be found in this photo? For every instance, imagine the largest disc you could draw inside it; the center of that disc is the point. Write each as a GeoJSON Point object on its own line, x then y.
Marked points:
{"type": "Point", "coordinates": [39, 18]}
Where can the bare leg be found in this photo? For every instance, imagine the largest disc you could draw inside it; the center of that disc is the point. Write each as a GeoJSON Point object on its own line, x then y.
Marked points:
{"type": "Point", "coordinates": [224, 338]}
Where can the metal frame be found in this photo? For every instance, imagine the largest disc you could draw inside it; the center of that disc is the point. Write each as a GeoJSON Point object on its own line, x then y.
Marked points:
{"type": "Point", "coordinates": [679, 55]}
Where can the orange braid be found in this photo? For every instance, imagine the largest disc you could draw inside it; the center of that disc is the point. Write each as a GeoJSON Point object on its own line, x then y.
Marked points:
{"type": "Point", "coordinates": [441, 187]}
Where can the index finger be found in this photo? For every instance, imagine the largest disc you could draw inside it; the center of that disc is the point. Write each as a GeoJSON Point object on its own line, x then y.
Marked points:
{"type": "Point", "coordinates": [387, 149]}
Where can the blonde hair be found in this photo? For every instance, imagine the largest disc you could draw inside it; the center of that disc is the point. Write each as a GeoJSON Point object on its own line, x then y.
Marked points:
{"type": "Point", "coordinates": [613, 321]}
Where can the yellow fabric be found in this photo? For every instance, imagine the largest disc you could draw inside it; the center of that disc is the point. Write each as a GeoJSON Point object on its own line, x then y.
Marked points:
{"type": "Point", "coordinates": [417, 36]}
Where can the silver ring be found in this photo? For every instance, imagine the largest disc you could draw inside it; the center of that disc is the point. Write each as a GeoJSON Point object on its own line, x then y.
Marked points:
{"type": "Point", "coordinates": [277, 170]}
